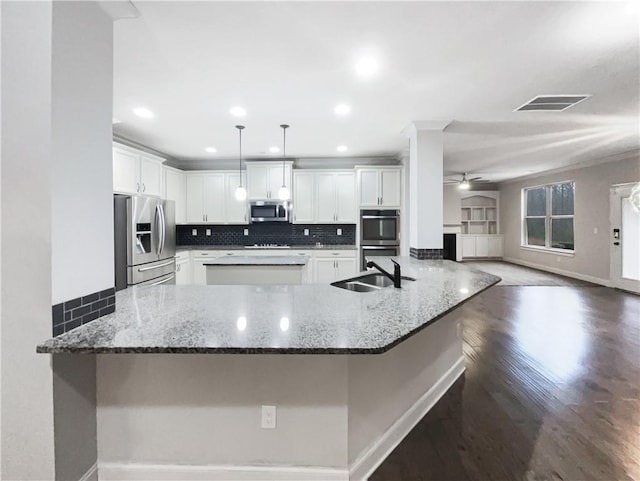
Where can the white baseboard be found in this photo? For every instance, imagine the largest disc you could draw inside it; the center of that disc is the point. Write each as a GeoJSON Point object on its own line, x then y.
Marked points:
{"type": "Point", "coordinates": [562, 272]}
{"type": "Point", "coordinates": [91, 474]}
{"type": "Point", "coordinates": [174, 472]}
{"type": "Point", "coordinates": [372, 456]}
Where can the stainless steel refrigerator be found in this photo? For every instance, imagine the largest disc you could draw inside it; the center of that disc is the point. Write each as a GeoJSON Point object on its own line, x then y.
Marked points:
{"type": "Point", "coordinates": [144, 241]}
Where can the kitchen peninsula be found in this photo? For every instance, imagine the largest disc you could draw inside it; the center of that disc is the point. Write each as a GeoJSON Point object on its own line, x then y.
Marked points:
{"type": "Point", "coordinates": [356, 369]}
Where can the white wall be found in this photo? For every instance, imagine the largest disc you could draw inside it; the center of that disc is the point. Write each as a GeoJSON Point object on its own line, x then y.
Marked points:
{"type": "Point", "coordinates": [425, 188]}
{"type": "Point", "coordinates": [205, 410]}
{"type": "Point", "coordinates": [82, 202]}
{"type": "Point", "coordinates": [25, 298]}
{"type": "Point", "coordinates": [451, 205]}
{"type": "Point", "coordinates": [591, 259]}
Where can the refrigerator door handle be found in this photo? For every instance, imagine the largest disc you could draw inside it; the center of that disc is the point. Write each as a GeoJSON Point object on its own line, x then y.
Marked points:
{"type": "Point", "coordinates": [164, 280]}
{"type": "Point", "coordinates": [162, 229]}
{"type": "Point", "coordinates": [158, 226]}
{"type": "Point", "coordinates": [159, 266]}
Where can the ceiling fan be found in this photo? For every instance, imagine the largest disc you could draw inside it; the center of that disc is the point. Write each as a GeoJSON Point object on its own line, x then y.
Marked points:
{"type": "Point", "coordinates": [465, 183]}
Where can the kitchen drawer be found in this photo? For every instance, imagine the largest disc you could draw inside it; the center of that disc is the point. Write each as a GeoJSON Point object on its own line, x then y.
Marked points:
{"type": "Point", "coordinates": [351, 253]}
{"type": "Point", "coordinates": [182, 255]}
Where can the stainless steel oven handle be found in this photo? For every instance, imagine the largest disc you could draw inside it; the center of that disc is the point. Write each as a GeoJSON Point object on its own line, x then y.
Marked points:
{"type": "Point", "coordinates": [379, 216]}
{"type": "Point", "coordinates": [377, 247]}
{"type": "Point", "coordinates": [163, 281]}
{"type": "Point", "coordinates": [145, 269]}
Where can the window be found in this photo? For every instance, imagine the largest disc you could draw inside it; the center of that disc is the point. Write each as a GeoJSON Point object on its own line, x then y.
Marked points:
{"type": "Point", "coordinates": [548, 216]}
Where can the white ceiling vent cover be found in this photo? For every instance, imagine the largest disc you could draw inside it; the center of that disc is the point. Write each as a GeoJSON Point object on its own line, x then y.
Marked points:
{"type": "Point", "coordinates": [552, 103]}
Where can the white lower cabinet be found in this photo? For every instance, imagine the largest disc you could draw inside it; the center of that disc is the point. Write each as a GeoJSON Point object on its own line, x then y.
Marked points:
{"type": "Point", "coordinates": [183, 272]}
{"type": "Point", "coordinates": [330, 266]}
{"type": "Point", "coordinates": [481, 246]}
{"type": "Point", "coordinates": [199, 271]}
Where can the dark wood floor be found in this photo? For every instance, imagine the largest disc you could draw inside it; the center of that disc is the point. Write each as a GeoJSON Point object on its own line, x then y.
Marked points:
{"type": "Point", "coordinates": [551, 392]}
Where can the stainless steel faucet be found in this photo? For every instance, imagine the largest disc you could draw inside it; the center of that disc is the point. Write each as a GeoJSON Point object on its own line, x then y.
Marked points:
{"type": "Point", "coordinates": [397, 274]}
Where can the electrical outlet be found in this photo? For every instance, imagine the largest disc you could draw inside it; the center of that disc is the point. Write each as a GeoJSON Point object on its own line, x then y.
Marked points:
{"type": "Point", "coordinates": [459, 330]}
{"type": "Point", "coordinates": [194, 231]}
{"type": "Point", "coordinates": [208, 232]}
{"type": "Point", "coordinates": [246, 232]}
{"type": "Point", "coordinates": [306, 232]}
{"type": "Point", "coordinates": [268, 417]}
{"type": "Point", "coordinates": [595, 230]}
{"type": "Point", "coordinates": [339, 232]}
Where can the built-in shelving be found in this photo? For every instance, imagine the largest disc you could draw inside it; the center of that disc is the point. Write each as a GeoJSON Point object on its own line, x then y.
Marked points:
{"type": "Point", "coordinates": [479, 214]}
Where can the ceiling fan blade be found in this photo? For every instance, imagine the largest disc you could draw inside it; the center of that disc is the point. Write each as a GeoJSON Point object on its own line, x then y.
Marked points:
{"type": "Point", "coordinates": [474, 179]}
{"type": "Point", "coordinates": [451, 181]}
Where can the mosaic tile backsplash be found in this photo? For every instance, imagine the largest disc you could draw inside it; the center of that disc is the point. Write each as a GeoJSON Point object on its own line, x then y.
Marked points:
{"type": "Point", "coordinates": [276, 233]}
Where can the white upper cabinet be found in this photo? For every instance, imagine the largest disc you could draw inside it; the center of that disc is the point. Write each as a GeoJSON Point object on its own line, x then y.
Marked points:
{"type": "Point", "coordinates": [195, 199]}
{"type": "Point", "coordinates": [264, 179]}
{"type": "Point", "coordinates": [214, 198]}
{"type": "Point", "coordinates": [150, 176]}
{"type": "Point", "coordinates": [369, 189]}
{"type": "Point", "coordinates": [380, 187]}
{"type": "Point", "coordinates": [235, 211]}
{"type": "Point", "coordinates": [346, 211]}
{"type": "Point", "coordinates": [324, 197]}
{"type": "Point", "coordinates": [211, 199]}
{"type": "Point", "coordinates": [304, 197]}
{"type": "Point", "coordinates": [175, 190]}
{"type": "Point", "coordinates": [126, 167]}
{"type": "Point", "coordinates": [136, 172]}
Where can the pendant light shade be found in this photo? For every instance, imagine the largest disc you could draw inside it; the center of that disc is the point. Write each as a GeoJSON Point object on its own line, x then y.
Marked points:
{"type": "Point", "coordinates": [241, 192]}
{"type": "Point", "coordinates": [284, 193]}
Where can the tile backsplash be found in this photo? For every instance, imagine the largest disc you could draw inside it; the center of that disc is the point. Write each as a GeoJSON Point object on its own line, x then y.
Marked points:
{"type": "Point", "coordinates": [267, 233]}
{"type": "Point", "coordinates": [76, 312]}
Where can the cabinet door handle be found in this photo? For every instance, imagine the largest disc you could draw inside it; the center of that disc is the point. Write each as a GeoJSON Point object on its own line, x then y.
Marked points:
{"type": "Point", "coordinates": [137, 186]}
{"type": "Point", "coordinates": [144, 187]}
{"type": "Point", "coordinates": [178, 267]}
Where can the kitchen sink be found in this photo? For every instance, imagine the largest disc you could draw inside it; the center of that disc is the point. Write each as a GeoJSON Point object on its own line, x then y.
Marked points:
{"type": "Point", "coordinates": [367, 283]}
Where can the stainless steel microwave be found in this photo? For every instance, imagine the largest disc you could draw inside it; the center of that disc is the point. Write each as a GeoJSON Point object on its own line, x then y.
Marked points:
{"type": "Point", "coordinates": [269, 211]}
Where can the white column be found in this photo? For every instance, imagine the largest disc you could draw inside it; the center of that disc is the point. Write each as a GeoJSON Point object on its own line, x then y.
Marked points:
{"type": "Point", "coordinates": [425, 183]}
{"type": "Point", "coordinates": [25, 255]}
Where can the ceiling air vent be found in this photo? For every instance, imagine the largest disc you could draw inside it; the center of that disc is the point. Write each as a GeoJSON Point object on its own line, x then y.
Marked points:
{"type": "Point", "coordinates": [555, 103]}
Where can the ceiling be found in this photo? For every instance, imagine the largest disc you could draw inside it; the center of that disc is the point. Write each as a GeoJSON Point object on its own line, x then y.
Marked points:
{"type": "Point", "coordinates": [470, 62]}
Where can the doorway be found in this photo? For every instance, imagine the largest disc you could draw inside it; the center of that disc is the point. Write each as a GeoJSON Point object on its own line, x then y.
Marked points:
{"type": "Point", "coordinates": [625, 239]}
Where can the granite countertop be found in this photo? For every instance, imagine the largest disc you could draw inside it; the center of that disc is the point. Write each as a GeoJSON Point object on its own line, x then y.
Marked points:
{"type": "Point", "coordinates": [259, 261]}
{"type": "Point", "coordinates": [293, 247]}
{"type": "Point", "coordinates": [292, 319]}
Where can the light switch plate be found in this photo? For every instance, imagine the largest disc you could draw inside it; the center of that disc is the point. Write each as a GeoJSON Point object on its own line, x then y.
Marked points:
{"type": "Point", "coordinates": [194, 231]}
{"type": "Point", "coordinates": [268, 417]}
{"type": "Point", "coordinates": [208, 232]}
{"type": "Point", "coordinates": [246, 232]}
{"type": "Point", "coordinates": [306, 232]}
{"type": "Point", "coordinates": [339, 232]}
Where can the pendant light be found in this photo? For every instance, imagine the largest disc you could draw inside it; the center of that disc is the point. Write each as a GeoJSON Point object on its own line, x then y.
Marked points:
{"type": "Point", "coordinates": [241, 192]}
{"type": "Point", "coordinates": [283, 193]}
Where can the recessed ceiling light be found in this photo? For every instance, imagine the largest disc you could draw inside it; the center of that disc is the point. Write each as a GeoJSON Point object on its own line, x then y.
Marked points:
{"type": "Point", "coordinates": [144, 113]}
{"type": "Point", "coordinates": [274, 150]}
{"type": "Point", "coordinates": [341, 148]}
{"type": "Point", "coordinates": [237, 111]}
{"type": "Point", "coordinates": [211, 150]}
{"type": "Point", "coordinates": [342, 109]}
{"type": "Point", "coordinates": [367, 66]}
